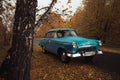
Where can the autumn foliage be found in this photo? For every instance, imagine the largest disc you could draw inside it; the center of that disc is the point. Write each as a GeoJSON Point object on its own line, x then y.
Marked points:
{"type": "Point", "coordinates": [99, 19]}
{"type": "Point", "coordinates": [53, 21]}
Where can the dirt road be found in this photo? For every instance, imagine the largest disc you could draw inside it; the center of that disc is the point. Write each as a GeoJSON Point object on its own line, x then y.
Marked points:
{"type": "Point", "coordinates": [49, 67]}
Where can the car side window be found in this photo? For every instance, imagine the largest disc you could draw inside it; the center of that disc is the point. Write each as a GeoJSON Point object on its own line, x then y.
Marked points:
{"type": "Point", "coordinates": [60, 34]}
{"type": "Point", "coordinates": [67, 33]}
{"type": "Point", "coordinates": [53, 35]}
{"type": "Point", "coordinates": [47, 35]}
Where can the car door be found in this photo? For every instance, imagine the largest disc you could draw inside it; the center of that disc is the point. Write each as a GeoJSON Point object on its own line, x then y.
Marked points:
{"type": "Point", "coordinates": [52, 42]}
{"type": "Point", "coordinates": [47, 41]}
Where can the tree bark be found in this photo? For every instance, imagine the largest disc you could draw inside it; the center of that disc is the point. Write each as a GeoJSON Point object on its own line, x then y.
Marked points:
{"type": "Point", "coordinates": [18, 60]}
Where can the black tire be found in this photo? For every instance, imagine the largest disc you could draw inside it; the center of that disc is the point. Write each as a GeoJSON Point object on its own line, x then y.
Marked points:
{"type": "Point", "coordinates": [63, 57]}
{"type": "Point", "coordinates": [43, 49]}
{"type": "Point", "coordinates": [89, 58]}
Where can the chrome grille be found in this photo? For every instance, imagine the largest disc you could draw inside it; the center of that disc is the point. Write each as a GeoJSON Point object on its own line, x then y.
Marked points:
{"type": "Point", "coordinates": [91, 48]}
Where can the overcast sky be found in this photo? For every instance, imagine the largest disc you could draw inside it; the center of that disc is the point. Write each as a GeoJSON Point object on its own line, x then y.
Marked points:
{"type": "Point", "coordinates": [61, 5]}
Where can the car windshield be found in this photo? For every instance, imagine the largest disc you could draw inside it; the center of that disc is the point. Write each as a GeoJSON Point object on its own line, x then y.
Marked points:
{"type": "Point", "coordinates": [65, 33]}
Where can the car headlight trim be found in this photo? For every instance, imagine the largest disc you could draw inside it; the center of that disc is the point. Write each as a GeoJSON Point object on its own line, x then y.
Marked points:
{"type": "Point", "coordinates": [74, 45]}
{"type": "Point", "coordinates": [100, 43]}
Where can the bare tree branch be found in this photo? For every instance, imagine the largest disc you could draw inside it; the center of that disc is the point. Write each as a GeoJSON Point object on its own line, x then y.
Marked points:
{"type": "Point", "coordinates": [38, 23]}
{"type": "Point", "coordinates": [43, 8]}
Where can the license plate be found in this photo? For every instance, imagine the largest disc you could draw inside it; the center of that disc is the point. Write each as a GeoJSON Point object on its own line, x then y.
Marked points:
{"type": "Point", "coordinates": [89, 54]}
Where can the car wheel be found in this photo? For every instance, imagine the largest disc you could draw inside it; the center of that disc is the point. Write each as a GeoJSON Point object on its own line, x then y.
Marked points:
{"type": "Point", "coordinates": [89, 58]}
{"type": "Point", "coordinates": [43, 49]}
{"type": "Point", "coordinates": [63, 57]}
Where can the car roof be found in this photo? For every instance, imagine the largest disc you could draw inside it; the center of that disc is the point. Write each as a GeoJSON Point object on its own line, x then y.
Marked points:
{"type": "Point", "coordinates": [58, 29]}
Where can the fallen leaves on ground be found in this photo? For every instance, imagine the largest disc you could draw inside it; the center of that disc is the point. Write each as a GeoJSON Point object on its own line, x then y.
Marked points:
{"type": "Point", "coordinates": [49, 67]}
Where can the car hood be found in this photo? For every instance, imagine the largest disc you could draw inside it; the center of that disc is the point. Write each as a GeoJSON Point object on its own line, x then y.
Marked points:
{"type": "Point", "coordinates": [80, 41]}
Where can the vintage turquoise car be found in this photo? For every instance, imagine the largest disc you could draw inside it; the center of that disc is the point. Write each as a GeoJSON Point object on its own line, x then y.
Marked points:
{"type": "Point", "coordinates": [65, 43]}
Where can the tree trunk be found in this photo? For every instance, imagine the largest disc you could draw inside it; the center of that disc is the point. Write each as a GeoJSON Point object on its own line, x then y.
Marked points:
{"type": "Point", "coordinates": [18, 60]}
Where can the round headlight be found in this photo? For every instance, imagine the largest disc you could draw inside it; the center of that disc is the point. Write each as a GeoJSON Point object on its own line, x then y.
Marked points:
{"type": "Point", "coordinates": [74, 45]}
{"type": "Point", "coordinates": [100, 43]}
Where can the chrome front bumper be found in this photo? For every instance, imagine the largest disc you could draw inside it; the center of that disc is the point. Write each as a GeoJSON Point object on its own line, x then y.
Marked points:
{"type": "Point", "coordinates": [84, 54]}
